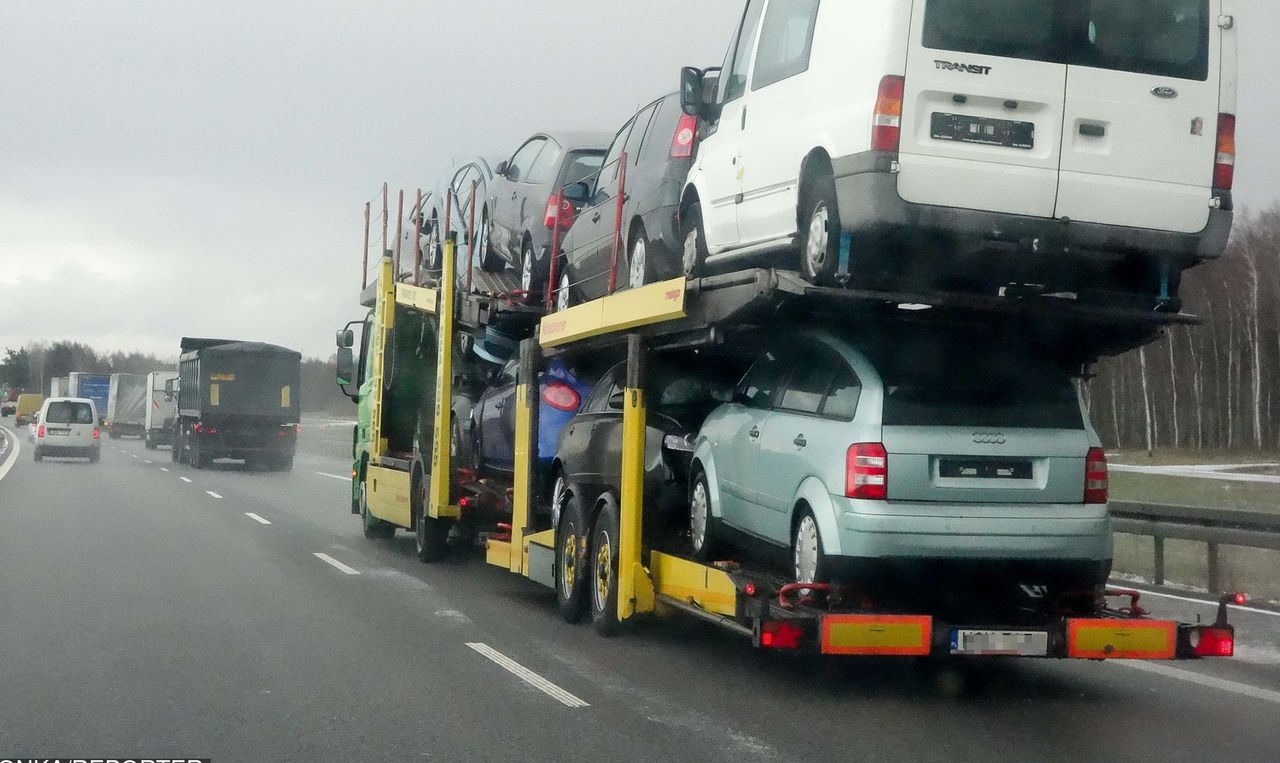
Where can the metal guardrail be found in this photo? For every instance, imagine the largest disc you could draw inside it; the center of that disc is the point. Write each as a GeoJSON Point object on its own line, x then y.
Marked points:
{"type": "Point", "coordinates": [1213, 527]}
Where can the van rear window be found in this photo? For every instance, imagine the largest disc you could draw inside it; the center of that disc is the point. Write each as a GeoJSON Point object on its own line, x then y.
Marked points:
{"type": "Point", "coordinates": [69, 413]}
{"type": "Point", "coordinates": [1168, 38]}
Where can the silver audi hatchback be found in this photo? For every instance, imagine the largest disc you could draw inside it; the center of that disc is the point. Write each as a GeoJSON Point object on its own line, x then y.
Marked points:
{"type": "Point", "coordinates": [890, 458]}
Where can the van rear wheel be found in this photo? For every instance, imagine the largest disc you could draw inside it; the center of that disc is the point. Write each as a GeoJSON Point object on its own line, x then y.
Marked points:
{"type": "Point", "coordinates": [820, 239]}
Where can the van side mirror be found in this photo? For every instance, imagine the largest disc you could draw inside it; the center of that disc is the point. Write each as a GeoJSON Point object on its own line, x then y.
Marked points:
{"type": "Point", "coordinates": [346, 338]}
{"type": "Point", "coordinates": [692, 90]}
{"type": "Point", "coordinates": [501, 169]}
{"type": "Point", "coordinates": [346, 366]}
{"type": "Point", "coordinates": [578, 193]}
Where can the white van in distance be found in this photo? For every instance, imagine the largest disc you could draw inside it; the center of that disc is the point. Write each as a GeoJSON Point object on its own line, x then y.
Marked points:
{"type": "Point", "coordinates": [1073, 146]}
{"type": "Point", "coordinates": [67, 427]}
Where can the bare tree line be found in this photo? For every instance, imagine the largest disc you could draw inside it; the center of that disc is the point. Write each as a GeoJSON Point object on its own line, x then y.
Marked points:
{"type": "Point", "coordinates": [1214, 386]}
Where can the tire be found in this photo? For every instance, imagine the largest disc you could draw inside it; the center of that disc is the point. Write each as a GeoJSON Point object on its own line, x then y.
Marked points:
{"type": "Point", "coordinates": [694, 241]}
{"type": "Point", "coordinates": [704, 546]}
{"type": "Point", "coordinates": [431, 536]}
{"type": "Point", "coordinates": [112, 435]}
{"type": "Point", "coordinates": [564, 290]}
{"type": "Point", "coordinates": [197, 458]}
{"type": "Point", "coordinates": [808, 563]}
{"type": "Point", "coordinates": [95, 458]}
{"type": "Point", "coordinates": [37, 455]}
{"type": "Point", "coordinates": [530, 278]}
{"type": "Point", "coordinates": [603, 585]}
{"type": "Point", "coordinates": [820, 237]}
{"type": "Point", "coordinates": [572, 580]}
{"type": "Point", "coordinates": [435, 244]}
{"type": "Point", "coordinates": [489, 259]}
{"type": "Point", "coordinates": [148, 443]}
{"type": "Point", "coordinates": [175, 451]}
{"type": "Point", "coordinates": [284, 464]}
{"type": "Point", "coordinates": [374, 528]}
{"type": "Point", "coordinates": [639, 261]}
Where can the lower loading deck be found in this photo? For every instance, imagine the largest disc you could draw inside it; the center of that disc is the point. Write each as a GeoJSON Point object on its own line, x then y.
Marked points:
{"type": "Point", "coordinates": [625, 581]}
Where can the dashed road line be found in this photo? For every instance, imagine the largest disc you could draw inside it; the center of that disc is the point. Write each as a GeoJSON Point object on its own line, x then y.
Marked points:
{"type": "Point", "coordinates": [135, 455]}
{"type": "Point", "coordinates": [163, 469]}
{"type": "Point", "coordinates": [1145, 592]}
{"type": "Point", "coordinates": [528, 676]}
{"type": "Point", "coordinates": [256, 518]}
{"type": "Point", "coordinates": [334, 476]}
{"type": "Point", "coordinates": [212, 494]}
{"type": "Point", "coordinates": [335, 563]}
{"type": "Point", "coordinates": [185, 479]}
{"type": "Point", "coordinates": [148, 462]}
{"type": "Point", "coordinates": [1211, 682]}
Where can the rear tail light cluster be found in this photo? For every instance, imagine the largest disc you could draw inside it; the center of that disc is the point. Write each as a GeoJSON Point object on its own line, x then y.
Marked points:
{"type": "Point", "coordinates": [1224, 168]}
{"type": "Point", "coordinates": [1096, 485]}
{"type": "Point", "coordinates": [780, 634]}
{"type": "Point", "coordinates": [559, 205]}
{"type": "Point", "coordinates": [97, 433]}
{"type": "Point", "coordinates": [562, 397]}
{"type": "Point", "coordinates": [867, 472]}
{"type": "Point", "coordinates": [40, 431]}
{"type": "Point", "coordinates": [682, 141]}
{"type": "Point", "coordinates": [1213, 641]}
{"type": "Point", "coordinates": [886, 124]}
{"type": "Point", "coordinates": [202, 429]}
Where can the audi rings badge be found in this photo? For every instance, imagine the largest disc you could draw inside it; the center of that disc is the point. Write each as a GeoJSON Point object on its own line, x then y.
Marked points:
{"type": "Point", "coordinates": [989, 438]}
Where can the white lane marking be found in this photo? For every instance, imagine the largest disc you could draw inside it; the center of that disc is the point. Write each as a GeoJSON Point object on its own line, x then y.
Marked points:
{"type": "Point", "coordinates": [1199, 474]}
{"type": "Point", "coordinates": [163, 469]}
{"type": "Point", "coordinates": [184, 479]}
{"type": "Point", "coordinates": [135, 455]}
{"type": "Point", "coordinates": [212, 494]}
{"type": "Point", "coordinates": [1221, 684]}
{"type": "Point", "coordinates": [334, 476]}
{"type": "Point", "coordinates": [334, 562]}
{"type": "Point", "coordinates": [13, 452]}
{"type": "Point", "coordinates": [528, 676]}
{"type": "Point", "coordinates": [1145, 592]}
{"type": "Point", "coordinates": [256, 518]}
{"type": "Point", "coordinates": [148, 462]}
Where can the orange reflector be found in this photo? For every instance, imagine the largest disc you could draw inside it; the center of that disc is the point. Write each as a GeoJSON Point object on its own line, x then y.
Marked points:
{"type": "Point", "coordinates": [1121, 640]}
{"type": "Point", "coordinates": [876, 634]}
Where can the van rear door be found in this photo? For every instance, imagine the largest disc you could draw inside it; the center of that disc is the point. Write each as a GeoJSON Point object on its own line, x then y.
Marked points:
{"type": "Point", "coordinates": [983, 105]}
{"type": "Point", "coordinates": [1141, 124]}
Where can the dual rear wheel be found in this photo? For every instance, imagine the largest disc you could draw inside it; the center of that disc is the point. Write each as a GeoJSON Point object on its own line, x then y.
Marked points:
{"type": "Point", "coordinates": [587, 564]}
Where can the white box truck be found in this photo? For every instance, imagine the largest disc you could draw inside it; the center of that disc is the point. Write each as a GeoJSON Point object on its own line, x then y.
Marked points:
{"type": "Point", "coordinates": [162, 410]}
{"type": "Point", "coordinates": [126, 405]}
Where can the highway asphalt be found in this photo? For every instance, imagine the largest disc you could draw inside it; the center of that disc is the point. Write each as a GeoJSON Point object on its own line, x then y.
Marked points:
{"type": "Point", "coordinates": [149, 609]}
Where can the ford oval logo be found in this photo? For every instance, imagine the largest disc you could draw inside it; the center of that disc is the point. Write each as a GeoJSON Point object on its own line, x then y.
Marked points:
{"type": "Point", "coordinates": [1164, 92]}
{"type": "Point", "coordinates": [989, 438]}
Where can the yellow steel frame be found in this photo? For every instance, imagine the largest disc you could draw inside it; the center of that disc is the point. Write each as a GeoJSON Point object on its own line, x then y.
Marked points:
{"type": "Point", "coordinates": [655, 303]}
{"type": "Point", "coordinates": [438, 503]}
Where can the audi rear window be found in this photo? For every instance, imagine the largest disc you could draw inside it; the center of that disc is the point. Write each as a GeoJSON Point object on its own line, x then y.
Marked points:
{"type": "Point", "coordinates": [1168, 38]}
{"type": "Point", "coordinates": [69, 413]}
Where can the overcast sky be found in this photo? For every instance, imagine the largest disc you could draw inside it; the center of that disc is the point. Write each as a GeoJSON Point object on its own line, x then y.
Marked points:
{"type": "Point", "coordinates": [173, 168]}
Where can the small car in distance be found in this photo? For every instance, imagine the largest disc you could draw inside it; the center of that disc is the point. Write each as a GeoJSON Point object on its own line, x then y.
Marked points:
{"type": "Point", "coordinates": [523, 199]}
{"type": "Point", "coordinates": [67, 427]}
{"type": "Point", "coordinates": [8, 407]}
{"type": "Point", "coordinates": [884, 461]}
{"type": "Point", "coordinates": [659, 141]}
{"type": "Point", "coordinates": [28, 407]}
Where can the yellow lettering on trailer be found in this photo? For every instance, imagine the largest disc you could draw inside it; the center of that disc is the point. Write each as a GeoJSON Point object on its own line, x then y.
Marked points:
{"type": "Point", "coordinates": [222, 377]}
{"type": "Point", "coordinates": [215, 395]}
{"type": "Point", "coordinates": [628, 309]}
{"type": "Point", "coordinates": [418, 298]}
{"type": "Point", "coordinates": [1122, 640]}
{"type": "Point", "coordinates": [286, 393]}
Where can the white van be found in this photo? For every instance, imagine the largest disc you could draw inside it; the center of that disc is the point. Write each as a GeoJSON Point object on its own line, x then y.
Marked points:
{"type": "Point", "coordinates": [1082, 146]}
{"type": "Point", "coordinates": [67, 427]}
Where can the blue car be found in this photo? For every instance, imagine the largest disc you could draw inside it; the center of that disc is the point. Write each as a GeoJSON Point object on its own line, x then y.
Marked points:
{"type": "Point", "coordinates": [493, 420]}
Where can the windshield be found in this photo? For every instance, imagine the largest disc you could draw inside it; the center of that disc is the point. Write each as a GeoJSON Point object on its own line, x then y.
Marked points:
{"type": "Point", "coordinates": [66, 412]}
{"type": "Point", "coordinates": [1162, 37]}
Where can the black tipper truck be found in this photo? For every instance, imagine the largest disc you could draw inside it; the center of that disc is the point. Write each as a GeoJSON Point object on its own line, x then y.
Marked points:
{"type": "Point", "coordinates": [237, 400]}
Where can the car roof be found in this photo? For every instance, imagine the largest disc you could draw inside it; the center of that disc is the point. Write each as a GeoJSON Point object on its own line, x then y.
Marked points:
{"type": "Point", "coordinates": [68, 400]}
{"type": "Point", "coordinates": [580, 140]}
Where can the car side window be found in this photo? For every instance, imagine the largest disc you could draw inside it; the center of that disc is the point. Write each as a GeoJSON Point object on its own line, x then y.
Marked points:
{"type": "Point", "coordinates": [521, 163]}
{"type": "Point", "coordinates": [609, 384]}
{"type": "Point", "coordinates": [842, 398]}
{"type": "Point", "coordinates": [607, 179]}
{"type": "Point", "coordinates": [639, 134]}
{"type": "Point", "coordinates": [734, 81]}
{"type": "Point", "coordinates": [758, 387]}
{"type": "Point", "coordinates": [809, 382]}
{"type": "Point", "coordinates": [786, 41]}
{"type": "Point", "coordinates": [545, 166]}
{"type": "Point", "coordinates": [662, 129]}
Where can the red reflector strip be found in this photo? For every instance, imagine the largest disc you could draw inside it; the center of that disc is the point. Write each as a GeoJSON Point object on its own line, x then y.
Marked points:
{"type": "Point", "coordinates": [1121, 639]}
{"type": "Point", "coordinates": [899, 635]}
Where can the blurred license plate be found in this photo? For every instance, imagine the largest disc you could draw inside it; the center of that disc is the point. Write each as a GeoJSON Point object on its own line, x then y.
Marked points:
{"type": "Point", "coordinates": [1015, 643]}
{"type": "Point", "coordinates": [59, 432]}
{"type": "Point", "coordinates": [983, 130]}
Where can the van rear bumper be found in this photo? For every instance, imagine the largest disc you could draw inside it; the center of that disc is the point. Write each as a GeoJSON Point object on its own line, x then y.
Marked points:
{"type": "Point", "coordinates": [869, 204]}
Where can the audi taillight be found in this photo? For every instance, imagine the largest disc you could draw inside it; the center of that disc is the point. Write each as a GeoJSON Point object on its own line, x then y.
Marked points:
{"type": "Point", "coordinates": [40, 431]}
{"type": "Point", "coordinates": [867, 472]}
{"type": "Point", "coordinates": [1224, 168]}
{"type": "Point", "coordinates": [682, 141]}
{"type": "Point", "coordinates": [562, 397]}
{"type": "Point", "coordinates": [886, 121]}
{"type": "Point", "coordinates": [1096, 486]}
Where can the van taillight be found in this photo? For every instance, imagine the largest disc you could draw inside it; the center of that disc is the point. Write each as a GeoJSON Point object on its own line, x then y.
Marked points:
{"type": "Point", "coordinates": [1224, 168]}
{"type": "Point", "coordinates": [40, 431]}
{"type": "Point", "coordinates": [886, 122]}
{"type": "Point", "coordinates": [1096, 487]}
{"type": "Point", "coordinates": [97, 433]}
{"type": "Point", "coordinates": [682, 141]}
{"type": "Point", "coordinates": [867, 472]}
